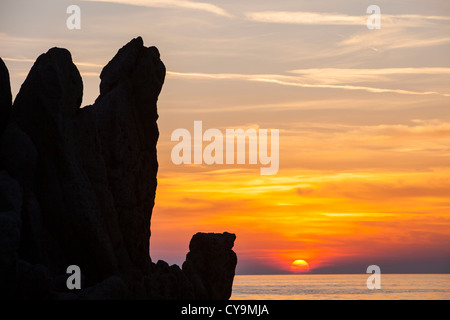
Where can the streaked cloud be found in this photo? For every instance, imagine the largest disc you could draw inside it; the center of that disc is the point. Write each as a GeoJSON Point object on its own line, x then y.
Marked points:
{"type": "Point", "coordinates": [78, 63]}
{"type": "Point", "coordinates": [395, 38]}
{"type": "Point", "coordinates": [17, 59]}
{"type": "Point", "coordinates": [308, 18]}
{"type": "Point", "coordinates": [295, 81]}
{"type": "Point", "coordinates": [182, 4]}
{"type": "Point", "coordinates": [325, 18]}
{"type": "Point", "coordinates": [351, 75]}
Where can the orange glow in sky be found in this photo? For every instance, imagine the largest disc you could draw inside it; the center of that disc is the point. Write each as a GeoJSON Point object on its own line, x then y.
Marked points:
{"type": "Point", "coordinates": [324, 217]}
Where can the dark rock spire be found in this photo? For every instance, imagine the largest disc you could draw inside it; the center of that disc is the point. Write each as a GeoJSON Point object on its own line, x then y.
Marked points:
{"type": "Point", "coordinates": [77, 187]}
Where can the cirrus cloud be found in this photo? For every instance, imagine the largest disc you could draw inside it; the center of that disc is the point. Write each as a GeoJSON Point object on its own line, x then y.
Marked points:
{"type": "Point", "coordinates": [326, 18]}
{"type": "Point", "coordinates": [182, 4]}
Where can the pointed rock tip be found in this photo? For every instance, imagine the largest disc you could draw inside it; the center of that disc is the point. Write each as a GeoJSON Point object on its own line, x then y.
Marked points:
{"type": "Point", "coordinates": [59, 52]}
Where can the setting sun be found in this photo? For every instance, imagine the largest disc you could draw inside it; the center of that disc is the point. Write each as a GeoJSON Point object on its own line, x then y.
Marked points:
{"type": "Point", "coordinates": [300, 266]}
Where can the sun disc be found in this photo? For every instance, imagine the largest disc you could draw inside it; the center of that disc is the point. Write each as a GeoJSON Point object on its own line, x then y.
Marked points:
{"type": "Point", "coordinates": [300, 266]}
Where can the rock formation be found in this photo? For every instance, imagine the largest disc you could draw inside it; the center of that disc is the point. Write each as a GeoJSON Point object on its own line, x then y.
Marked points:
{"type": "Point", "coordinates": [77, 187]}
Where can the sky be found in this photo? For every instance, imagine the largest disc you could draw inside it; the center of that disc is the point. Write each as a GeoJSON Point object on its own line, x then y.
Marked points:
{"type": "Point", "coordinates": [363, 118]}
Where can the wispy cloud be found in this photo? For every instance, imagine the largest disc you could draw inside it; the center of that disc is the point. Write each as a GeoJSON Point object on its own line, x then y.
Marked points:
{"type": "Point", "coordinates": [297, 81]}
{"type": "Point", "coordinates": [78, 63]}
{"type": "Point", "coordinates": [341, 75]}
{"type": "Point", "coordinates": [324, 18]}
{"type": "Point", "coordinates": [183, 4]}
{"type": "Point", "coordinates": [18, 59]}
{"type": "Point", "coordinates": [328, 78]}
{"type": "Point", "coordinates": [395, 38]}
{"type": "Point", "coordinates": [314, 18]}
{"type": "Point", "coordinates": [398, 31]}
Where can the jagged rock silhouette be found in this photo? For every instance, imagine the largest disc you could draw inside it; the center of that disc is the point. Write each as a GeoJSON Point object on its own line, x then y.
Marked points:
{"type": "Point", "coordinates": [77, 187]}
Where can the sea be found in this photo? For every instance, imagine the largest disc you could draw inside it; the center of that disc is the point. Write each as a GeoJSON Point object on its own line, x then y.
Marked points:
{"type": "Point", "coordinates": [341, 287]}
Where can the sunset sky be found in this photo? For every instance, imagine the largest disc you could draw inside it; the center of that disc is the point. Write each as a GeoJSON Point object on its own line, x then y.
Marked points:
{"type": "Point", "coordinates": [363, 118]}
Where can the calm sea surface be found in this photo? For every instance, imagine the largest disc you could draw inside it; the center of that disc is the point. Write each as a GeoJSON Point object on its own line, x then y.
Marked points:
{"type": "Point", "coordinates": [341, 287]}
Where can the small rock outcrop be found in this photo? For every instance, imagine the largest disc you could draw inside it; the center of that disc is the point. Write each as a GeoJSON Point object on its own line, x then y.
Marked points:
{"type": "Point", "coordinates": [77, 187]}
{"type": "Point", "coordinates": [210, 264]}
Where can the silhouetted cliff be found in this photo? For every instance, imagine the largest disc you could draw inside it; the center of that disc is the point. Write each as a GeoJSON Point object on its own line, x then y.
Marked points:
{"type": "Point", "coordinates": [77, 187]}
